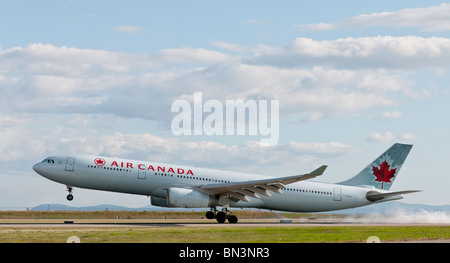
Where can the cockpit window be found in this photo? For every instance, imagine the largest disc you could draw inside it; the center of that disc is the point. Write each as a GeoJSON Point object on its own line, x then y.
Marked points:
{"type": "Point", "coordinates": [48, 160]}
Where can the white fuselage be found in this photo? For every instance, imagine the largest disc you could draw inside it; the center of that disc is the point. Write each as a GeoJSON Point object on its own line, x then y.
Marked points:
{"type": "Point", "coordinates": [153, 179]}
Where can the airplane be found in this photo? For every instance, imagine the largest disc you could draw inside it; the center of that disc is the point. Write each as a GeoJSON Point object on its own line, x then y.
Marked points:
{"type": "Point", "coordinates": [170, 185]}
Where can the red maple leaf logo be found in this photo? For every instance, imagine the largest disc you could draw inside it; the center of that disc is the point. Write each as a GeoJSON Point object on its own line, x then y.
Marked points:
{"type": "Point", "coordinates": [99, 161]}
{"type": "Point", "coordinates": [383, 174]}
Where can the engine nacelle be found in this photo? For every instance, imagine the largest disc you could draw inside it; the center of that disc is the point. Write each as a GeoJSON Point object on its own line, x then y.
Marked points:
{"type": "Point", "coordinates": [181, 197]}
{"type": "Point", "coordinates": [158, 201]}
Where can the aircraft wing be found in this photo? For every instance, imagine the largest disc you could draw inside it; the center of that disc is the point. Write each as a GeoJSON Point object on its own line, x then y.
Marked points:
{"type": "Point", "coordinates": [240, 190]}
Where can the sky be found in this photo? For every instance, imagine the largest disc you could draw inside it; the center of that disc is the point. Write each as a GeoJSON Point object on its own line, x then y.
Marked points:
{"type": "Point", "coordinates": [351, 78]}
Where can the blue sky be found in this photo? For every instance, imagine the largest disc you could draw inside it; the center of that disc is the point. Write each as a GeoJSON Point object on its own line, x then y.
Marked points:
{"type": "Point", "coordinates": [96, 77]}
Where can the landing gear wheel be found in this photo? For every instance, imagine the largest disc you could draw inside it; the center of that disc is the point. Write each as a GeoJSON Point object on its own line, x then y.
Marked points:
{"type": "Point", "coordinates": [69, 197]}
{"type": "Point", "coordinates": [232, 219]}
{"type": "Point", "coordinates": [221, 217]}
{"type": "Point", "coordinates": [210, 215]}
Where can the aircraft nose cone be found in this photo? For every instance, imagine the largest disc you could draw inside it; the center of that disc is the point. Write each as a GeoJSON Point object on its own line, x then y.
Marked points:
{"type": "Point", "coordinates": [37, 168]}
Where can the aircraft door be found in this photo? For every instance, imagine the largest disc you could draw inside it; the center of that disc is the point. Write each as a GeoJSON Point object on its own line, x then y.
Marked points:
{"type": "Point", "coordinates": [141, 172]}
{"type": "Point", "coordinates": [70, 164]}
{"type": "Point", "coordinates": [337, 194]}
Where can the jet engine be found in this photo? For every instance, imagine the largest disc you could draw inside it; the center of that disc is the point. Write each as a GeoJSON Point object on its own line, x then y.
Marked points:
{"type": "Point", "coordinates": [188, 198]}
{"type": "Point", "coordinates": [158, 201]}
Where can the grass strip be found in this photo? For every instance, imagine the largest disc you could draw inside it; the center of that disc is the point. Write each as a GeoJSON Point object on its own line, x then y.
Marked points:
{"type": "Point", "coordinates": [335, 234]}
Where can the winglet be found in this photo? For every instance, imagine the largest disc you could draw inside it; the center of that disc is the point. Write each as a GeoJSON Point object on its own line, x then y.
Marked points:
{"type": "Point", "coordinates": [318, 171]}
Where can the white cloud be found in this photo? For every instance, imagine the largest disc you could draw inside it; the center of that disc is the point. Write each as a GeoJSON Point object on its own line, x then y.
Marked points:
{"type": "Point", "coordinates": [387, 116]}
{"type": "Point", "coordinates": [69, 80]}
{"type": "Point", "coordinates": [392, 115]}
{"type": "Point", "coordinates": [258, 21]}
{"type": "Point", "coordinates": [389, 137]}
{"type": "Point", "coordinates": [433, 18]}
{"type": "Point", "coordinates": [323, 91]}
{"type": "Point", "coordinates": [21, 142]}
{"type": "Point", "coordinates": [67, 83]}
{"type": "Point", "coordinates": [322, 148]}
{"type": "Point", "coordinates": [46, 78]}
{"type": "Point", "coordinates": [193, 55]}
{"type": "Point", "coordinates": [47, 59]}
{"type": "Point", "coordinates": [381, 138]}
{"type": "Point", "coordinates": [129, 29]}
{"type": "Point", "coordinates": [408, 136]}
{"type": "Point", "coordinates": [231, 46]}
{"type": "Point", "coordinates": [384, 52]}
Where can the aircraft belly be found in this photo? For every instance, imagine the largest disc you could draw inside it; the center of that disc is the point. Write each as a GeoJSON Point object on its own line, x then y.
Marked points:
{"type": "Point", "coordinates": [110, 182]}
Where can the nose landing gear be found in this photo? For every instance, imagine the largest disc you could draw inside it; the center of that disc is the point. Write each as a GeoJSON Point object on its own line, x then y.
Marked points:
{"type": "Point", "coordinates": [69, 196]}
{"type": "Point", "coordinates": [221, 216]}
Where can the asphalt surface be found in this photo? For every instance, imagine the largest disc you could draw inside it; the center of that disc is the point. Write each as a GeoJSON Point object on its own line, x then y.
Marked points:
{"type": "Point", "coordinates": [114, 223]}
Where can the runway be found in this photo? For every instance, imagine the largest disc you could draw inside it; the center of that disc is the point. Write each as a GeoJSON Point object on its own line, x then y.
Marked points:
{"type": "Point", "coordinates": [189, 223]}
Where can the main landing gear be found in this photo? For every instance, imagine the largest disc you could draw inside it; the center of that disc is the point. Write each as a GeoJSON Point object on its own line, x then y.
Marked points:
{"type": "Point", "coordinates": [69, 196]}
{"type": "Point", "coordinates": [221, 216]}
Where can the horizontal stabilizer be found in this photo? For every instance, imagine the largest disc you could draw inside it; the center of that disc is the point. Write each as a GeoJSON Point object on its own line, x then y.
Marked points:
{"type": "Point", "coordinates": [374, 196]}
